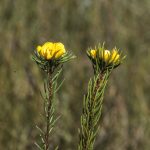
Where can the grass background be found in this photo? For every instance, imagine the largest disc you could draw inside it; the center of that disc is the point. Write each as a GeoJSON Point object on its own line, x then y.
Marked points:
{"type": "Point", "coordinates": [24, 24]}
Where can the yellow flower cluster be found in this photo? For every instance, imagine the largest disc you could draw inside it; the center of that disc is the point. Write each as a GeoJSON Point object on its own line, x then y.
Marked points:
{"type": "Point", "coordinates": [51, 50]}
{"type": "Point", "coordinates": [106, 55]}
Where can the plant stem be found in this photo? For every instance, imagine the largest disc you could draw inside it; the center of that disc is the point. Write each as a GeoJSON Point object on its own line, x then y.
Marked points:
{"type": "Point", "coordinates": [88, 115]}
{"type": "Point", "coordinates": [48, 109]}
{"type": "Point", "coordinates": [98, 82]}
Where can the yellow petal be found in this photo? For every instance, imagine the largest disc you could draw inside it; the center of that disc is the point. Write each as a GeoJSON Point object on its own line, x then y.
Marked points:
{"type": "Point", "coordinates": [60, 46]}
{"type": "Point", "coordinates": [93, 53]}
{"type": "Point", "coordinates": [46, 51]}
{"type": "Point", "coordinates": [43, 52]}
{"type": "Point", "coordinates": [59, 50]}
{"type": "Point", "coordinates": [38, 49]}
{"type": "Point", "coordinates": [48, 55]}
{"type": "Point", "coordinates": [114, 56]}
{"type": "Point", "coordinates": [59, 54]}
{"type": "Point", "coordinates": [106, 55]}
{"type": "Point", "coordinates": [48, 45]}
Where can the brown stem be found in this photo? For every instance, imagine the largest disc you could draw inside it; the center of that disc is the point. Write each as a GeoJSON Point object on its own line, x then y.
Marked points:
{"type": "Point", "coordinates": [100, 78]}
{"type": "Point", "coordinates": [48, 109]}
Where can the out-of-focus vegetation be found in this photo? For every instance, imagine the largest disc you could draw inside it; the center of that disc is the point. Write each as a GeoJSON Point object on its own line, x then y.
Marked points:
{"type": "Point", "coordinates": [79, 24]}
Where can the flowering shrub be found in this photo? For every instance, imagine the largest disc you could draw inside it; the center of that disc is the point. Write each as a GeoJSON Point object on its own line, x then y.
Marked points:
{"type": "Point", "coordinates": [50, 57]}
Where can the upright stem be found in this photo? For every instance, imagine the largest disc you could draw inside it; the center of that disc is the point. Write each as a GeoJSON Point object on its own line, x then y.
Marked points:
{"type": "Point", "coordinates": [48, 109]}
{"type": "Point", "coordinates": [90, 127]}
{"type": "Point", "coordinates": [91, 106]}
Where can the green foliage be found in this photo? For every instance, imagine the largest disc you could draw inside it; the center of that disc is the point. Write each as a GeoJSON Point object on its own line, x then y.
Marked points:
{"type": "Point", "coordinates": [44, 64]}
{"type": "Point", "coordinates": [93, 100]}
{"type": "Point", "coordinates": [92, 109]}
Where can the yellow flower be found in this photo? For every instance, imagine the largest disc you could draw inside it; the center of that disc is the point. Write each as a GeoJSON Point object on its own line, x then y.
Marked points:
{"type": "Point", "coordinates": [103, 59]}
{"type": "Point", "coordinates": [105, 55]}
{"type": "Point", "coordinates": [93, 53]}
{"type": "Point", "coordinates": [51, 50]}
{"type": "Point", "coordinates": [114, 56]}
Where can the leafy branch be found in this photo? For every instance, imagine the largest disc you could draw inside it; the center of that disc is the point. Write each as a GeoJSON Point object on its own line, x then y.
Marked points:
{"type": "Point", "coordinates": [50, 88]}
{"type": "Point", "coordinates": [92, 106]}
{"type": "Point", "coordinates": [103, 62]}
{"type": "Point", "coordinates": [50, 57]}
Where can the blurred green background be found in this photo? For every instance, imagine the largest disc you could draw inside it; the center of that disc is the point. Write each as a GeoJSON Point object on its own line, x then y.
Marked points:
{"type": "Point", "coordinates": [79, 24]}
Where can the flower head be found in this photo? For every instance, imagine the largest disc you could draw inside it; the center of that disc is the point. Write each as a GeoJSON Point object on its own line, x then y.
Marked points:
{"type": "Point", "coordinates": [51, 50]}
{"type": "Point", "coordinates": [105, 59]}
{"type": "Point", "coordinates": [51, 55]}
